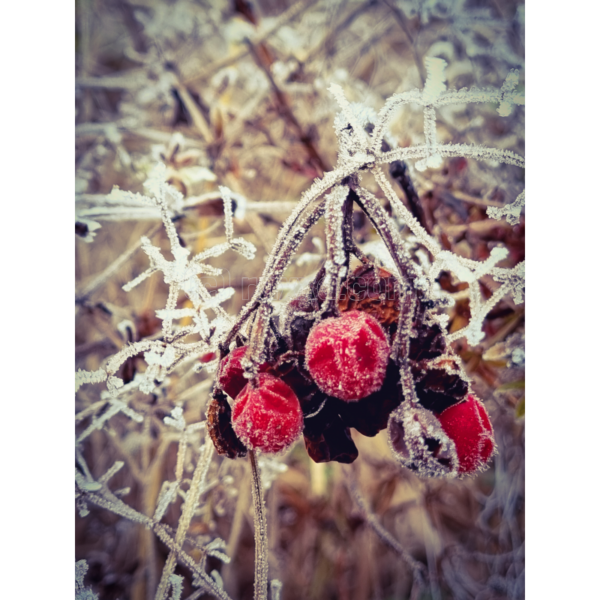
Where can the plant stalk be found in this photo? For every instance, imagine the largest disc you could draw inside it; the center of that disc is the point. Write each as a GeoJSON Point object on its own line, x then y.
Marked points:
{"type": "Point", "coordinates": [261, 552]}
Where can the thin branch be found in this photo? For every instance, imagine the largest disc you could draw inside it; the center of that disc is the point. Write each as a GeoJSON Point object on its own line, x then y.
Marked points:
{"type": "Point", "coordinates": [187, 512]}
{"type": "Point", "coordinates": [261, 553]}
{"type": "Point", "coordinates": [285, 108]}
{"type": "Point", "coordinates": [195, 113]}
{"type": "Point", "coordinates": [292, 12]}
{"type": "Point", "coordinates": [399, 172]}
{"type": "Point", "coordinates": [417, 568]}
{"type": "Point", "coordinates": [100, 279]}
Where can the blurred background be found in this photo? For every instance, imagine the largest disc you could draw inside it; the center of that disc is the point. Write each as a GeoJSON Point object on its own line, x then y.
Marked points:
{"type": "Point", "coordinates": [235, 93]}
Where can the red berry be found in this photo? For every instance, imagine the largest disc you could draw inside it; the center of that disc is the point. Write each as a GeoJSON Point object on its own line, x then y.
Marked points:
{"type": "Point", "coordinates": [348, 355]}
{"type": "Point", "coordinates": [206, 358]}
{"type": "Point", "coordinates": [468, 425]}
{"type": "Point", "coordinates": [267, 417]}
{"type": "Point", "coordinates": [231, 372]}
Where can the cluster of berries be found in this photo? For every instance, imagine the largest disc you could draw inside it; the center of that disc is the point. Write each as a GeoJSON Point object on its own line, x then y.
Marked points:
{"type": "Point", "coordinates": [327, 376]}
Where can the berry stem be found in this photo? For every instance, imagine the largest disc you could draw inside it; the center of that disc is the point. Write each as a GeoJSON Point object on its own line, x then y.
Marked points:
{"type": "Point", "coordinates": [286, 245]}
{"type": "Point", "coordinates": [336, 265]}
{"type": "Point", "coordinates": [408, 300]}
{"type": "Point", "coordinates": [261, 548]}
{"type": "Point", "coordinates": [388, 233]}
{"type": "Point", "coordinates": [260, 328]}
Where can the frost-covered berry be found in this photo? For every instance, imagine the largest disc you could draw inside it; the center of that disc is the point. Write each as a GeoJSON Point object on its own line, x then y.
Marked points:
{"type": "Point", "coordinates": [468, 425]}
{"type": "Point", "coordinates": [267, 417]}
{"type": "Point", "coordinates": [231, 372]}
{"type": "Point", "coordinates": [347, 356]}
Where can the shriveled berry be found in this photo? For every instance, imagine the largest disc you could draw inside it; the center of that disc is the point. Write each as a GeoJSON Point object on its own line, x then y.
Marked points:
{"type": "Point", "coordinates": [218, 419]}
{"type": "Point", "coordinates": [326, 436]}
{"type": "Point", "coordinates": [373, 290]}
{"type": "Point", "coordinates": [267, 417]}
{"type": "Point", "coordinates": [347, 356]}
{"type": "Point", "coordinates": [231, 372]}
{"type": "Point", "coordinates": [469, 427]}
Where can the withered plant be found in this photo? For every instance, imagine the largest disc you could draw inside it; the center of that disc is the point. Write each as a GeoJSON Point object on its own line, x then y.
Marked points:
{"type": "Point", "coordinates": [365, 343]}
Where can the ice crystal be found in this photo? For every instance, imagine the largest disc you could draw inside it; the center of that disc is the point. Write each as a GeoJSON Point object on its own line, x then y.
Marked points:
{"type": "Point", "coordinates": [512, 211]}
{"type": "Point", "coordinates": [82, 592]}
{"type": "Point", "coordinates": [181, 275]}
{"type": "Point", "coordinates": [82, 377]}
{"type": "Point", "coordinates": [436, 78]}
{"type": "Point", "coordinates": [217, 549]}
{"type": "Point", "coordinates": [176, 587]}
{"type": "Point", "coordinates": [276, 587]}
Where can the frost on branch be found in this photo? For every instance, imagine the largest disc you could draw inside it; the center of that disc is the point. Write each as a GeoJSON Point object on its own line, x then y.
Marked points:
{"type": "Point", "coordinates": [82, 377]}
{"type": "Point", "coordinates": [436, 79]}
{"type": "Point", "coordinates": [162, 357]}
{"type": "Point", "coordinates": [182, 276]}
{"type": "Point", "coordinates": [82, 592]}
{"type": "Point", "coordinates": [512, 211]}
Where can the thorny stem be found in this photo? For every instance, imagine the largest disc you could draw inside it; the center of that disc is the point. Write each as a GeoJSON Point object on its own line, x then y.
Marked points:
{"type": "Point", "coordinates": [261, 552]}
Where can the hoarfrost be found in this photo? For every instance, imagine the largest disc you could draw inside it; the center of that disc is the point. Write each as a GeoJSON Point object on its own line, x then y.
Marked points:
{"type": "Point", "coordinates": [176, 419]}
{"type": "Point", "coordinates": [176, 586]}
{"type": "Point", "coordinates": [217, 578]}
{"type": "Point", "coordinates": [168, 493]}
{"type": "Point", "coordinates": [82, 377]}
{"type": "Point", "coordinates": [217, 548]}
{"type": "Point", "coordinates": [276, 587]}
{"type": "Point", "coordinates": [359, 151]}
{"type": "Point", "coordinates": [436, 78]}
{"type": "Point", "coordinates": [511, 211]}
{"type": "Point", "coordinates": [81, 592]}
{"type": "Point", "coordinates": [518, 357]}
